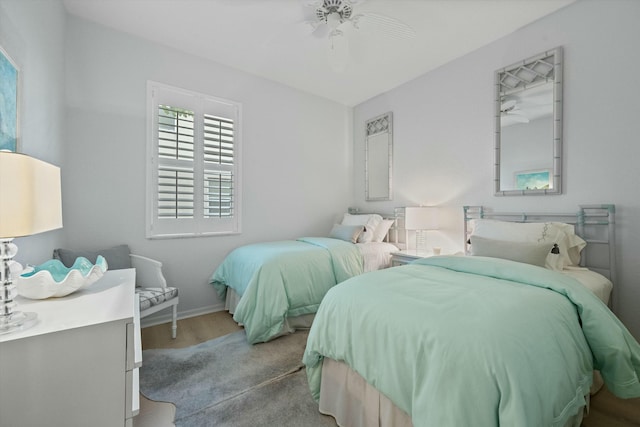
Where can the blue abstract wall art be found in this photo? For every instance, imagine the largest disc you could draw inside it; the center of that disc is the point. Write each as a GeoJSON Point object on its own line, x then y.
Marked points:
{"type": "Point", "coordinates": [8, 103]}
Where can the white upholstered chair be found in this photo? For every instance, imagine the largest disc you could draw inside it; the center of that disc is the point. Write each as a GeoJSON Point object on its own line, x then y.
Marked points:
{"type": "Point", "coordinates": [153, 291]}
{"type": "Point", "coordinates": [151, 285]}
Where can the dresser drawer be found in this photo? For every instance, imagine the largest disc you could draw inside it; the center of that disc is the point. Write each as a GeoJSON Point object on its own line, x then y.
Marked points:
{"type": "Point", "coordinates": [132, 393]}
{"type": "Point", "coordinates": [133, 363]}
{"type": "Point", "coordinates": [134, 341]}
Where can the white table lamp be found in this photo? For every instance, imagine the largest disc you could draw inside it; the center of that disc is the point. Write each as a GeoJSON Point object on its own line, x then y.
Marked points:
{"type": "Point", "coordinates": [30, 203]}
{"type": "Point", "coordinates": [421, 219]}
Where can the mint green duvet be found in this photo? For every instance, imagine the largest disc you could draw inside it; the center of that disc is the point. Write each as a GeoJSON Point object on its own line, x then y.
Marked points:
{"type": "Point", "coordinates": [283, 279]}
{"type": "Point", "coordinates": [474, 341]}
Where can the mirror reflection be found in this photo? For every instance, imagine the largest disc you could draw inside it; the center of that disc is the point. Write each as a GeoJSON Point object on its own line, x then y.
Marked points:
{"type": "Point", "coordinates": [528, 126]}
{"type": "Point", "coordinates": [378, 157]}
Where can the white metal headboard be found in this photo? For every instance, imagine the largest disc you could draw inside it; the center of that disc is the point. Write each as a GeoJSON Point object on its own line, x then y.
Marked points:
{"type": "Point", "coordinates": [593, 223]}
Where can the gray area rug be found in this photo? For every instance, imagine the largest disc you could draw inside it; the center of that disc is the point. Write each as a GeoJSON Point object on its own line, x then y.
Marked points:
{"type": "Point", "coordinates": [228, 382]}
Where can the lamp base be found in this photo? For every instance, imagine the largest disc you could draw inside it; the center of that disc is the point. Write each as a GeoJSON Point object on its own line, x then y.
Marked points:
{"type": "Point", "coordinates": [421, 241]}
{"type": "Point", "coordinates": [10, 319]}
{"type": "Point", "coordinates": [17, 321]}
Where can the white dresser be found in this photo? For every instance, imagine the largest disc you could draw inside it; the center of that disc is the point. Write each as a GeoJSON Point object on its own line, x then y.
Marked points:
{"type": "Point", "coordinates": [78, 366]}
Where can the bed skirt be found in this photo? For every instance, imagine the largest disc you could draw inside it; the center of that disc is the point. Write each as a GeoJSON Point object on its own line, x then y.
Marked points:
{"type": "Point", "coordinates": [348, 398]}
{"type": "Point", "coordinates": [353, 402]}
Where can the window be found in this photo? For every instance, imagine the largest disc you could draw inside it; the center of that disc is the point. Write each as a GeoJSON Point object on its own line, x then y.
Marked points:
{"type": "Point", "coordinates": [193, 179]}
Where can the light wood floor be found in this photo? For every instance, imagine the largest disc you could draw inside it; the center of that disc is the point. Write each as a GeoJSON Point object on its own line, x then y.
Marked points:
{"type": "Point", "coordinates": [606, 409]}
{"type": "Point", "coordinates": [193, 330]}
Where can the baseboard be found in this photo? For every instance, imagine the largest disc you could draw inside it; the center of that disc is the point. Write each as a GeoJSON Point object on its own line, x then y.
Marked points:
{"type": "Point", "coordinates": [165, 316]}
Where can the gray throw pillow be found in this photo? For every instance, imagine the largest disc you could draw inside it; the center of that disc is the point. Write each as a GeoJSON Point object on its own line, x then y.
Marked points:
{"type": "Point", "coordinates": [117, 257]}
{"type": "Point", "coordinates": [347, 233]}
{"type": "Point", "coordinates": [529, 253]}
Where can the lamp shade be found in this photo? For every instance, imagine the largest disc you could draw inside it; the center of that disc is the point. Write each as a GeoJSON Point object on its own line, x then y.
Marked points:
{"type": "Point", "coordinates": [30, 196]}
{"type": "Point", "coordinates": [421, 218]}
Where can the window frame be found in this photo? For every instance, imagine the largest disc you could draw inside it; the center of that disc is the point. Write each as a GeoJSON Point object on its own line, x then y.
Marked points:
{"type": "Point", "coordinates": [201, 104]}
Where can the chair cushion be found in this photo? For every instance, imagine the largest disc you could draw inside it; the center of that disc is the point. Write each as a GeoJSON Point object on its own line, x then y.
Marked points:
{"type": "Point", "coordinates": [154, 296]}
{"type": "Point", "coordinates": [117, 257]}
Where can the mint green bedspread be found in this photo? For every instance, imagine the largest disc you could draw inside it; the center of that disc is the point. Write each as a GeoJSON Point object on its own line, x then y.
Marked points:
{"type": "Point", "coordinates": [474, 341]}
{"type": "Point", "coordinates": [283, 279]}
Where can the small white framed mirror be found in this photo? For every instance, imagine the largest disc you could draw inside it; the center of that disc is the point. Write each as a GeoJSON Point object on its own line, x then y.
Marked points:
{"type": "Point", "coordinates": [379, 157]}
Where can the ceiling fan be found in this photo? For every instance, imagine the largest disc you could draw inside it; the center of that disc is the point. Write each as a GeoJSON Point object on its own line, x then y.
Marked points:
{"type": "Point", "coordinates": [511, 109]}
{"type": "Point", "coordinates": [333, 17]}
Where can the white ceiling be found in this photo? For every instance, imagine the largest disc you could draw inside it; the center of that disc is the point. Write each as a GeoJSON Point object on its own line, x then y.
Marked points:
{"type": "Point", "coordinates": [265, 37]}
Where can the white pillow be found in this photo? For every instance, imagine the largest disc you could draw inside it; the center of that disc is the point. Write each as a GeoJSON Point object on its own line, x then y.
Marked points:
{"type": "Point", "coordinates": [369, 221]}
{"type": "Point", "coordinates": [574, 243]}
{"type": "Point", "coordinates": [542, 232]}
{"type": "Point", "coordinates": [382, 229]}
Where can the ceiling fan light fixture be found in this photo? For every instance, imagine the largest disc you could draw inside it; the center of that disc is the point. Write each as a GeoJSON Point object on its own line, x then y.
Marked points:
{"type": "Point", "coordinates": [333, 21]}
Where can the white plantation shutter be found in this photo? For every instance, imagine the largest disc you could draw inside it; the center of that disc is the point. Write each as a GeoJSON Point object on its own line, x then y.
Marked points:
{"type": "Point", "coordinates": [219, 155]}
{"type": "Point", "coordinates": [193, 180]}
{"type": "Point", "coordinates": [175, 192]}
{"type": "Point", "coordinates": [175, 145]}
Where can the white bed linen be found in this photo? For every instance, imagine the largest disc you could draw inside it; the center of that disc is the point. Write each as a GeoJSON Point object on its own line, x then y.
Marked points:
{"type": "Point", "coordinates": [595, 282]}
{"type": "Point", "coordinates": [377, 255]}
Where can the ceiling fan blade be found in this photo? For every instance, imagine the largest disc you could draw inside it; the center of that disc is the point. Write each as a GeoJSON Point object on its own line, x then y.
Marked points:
{"type": "Point", "coordinates": [307, 27]}
{"type": "Point", "coordinates": [384, 25]}
{"type": "Point", "coordinates": [301, 29]}
{"type": "Point", "coordinates": [321, 31]}
{"type": "Point", "coordinates": [508, 104]}
{"type": "Point", "coordinates": [298, 30]}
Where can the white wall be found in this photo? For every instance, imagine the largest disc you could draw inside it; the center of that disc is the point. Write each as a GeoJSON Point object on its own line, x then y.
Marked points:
{"type": "Point", "coordinates": [297, 155]}
{"type": "Point", "coordinates": [443, 123]}
{"type": "Point", "coordinates": [32, 32]}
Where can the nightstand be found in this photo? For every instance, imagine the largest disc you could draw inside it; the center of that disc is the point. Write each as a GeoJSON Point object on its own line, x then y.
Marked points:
{"type": "Point", "coordinates": [405, 257]}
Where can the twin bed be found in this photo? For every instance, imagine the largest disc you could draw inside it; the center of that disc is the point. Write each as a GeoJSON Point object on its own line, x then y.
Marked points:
{"type": "Point", "coordinates": [509, 335]}
{"type": "Point", "coordinates": [275, 288]}
{"type": "Point", "coordinates": [487, 339]}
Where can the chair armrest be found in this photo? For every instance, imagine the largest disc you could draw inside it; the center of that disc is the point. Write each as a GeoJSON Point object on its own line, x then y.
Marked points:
{"type": "Point", "coordinates": [148, 272]}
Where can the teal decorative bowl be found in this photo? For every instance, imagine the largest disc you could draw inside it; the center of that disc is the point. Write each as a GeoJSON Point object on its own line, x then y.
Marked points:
{"type": "Point", "coordinates": [53, 279]}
